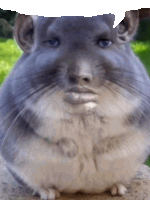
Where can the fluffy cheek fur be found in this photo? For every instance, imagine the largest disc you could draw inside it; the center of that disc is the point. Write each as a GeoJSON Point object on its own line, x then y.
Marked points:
{"type": "Point", "coordinates": [54, 112]}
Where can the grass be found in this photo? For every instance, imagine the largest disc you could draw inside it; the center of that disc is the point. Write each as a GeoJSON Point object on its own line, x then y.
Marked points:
{"type": "Point", "coordinates": [142, 50]}
{"type": "Point", "coordinates": [10, 52]}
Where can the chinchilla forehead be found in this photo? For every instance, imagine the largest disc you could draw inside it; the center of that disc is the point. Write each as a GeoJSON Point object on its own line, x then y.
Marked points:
{"type": "Point", "coordinates": [71, 24]}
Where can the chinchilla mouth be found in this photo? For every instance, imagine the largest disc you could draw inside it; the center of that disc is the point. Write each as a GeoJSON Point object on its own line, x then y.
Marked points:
{"type": "Point", "coordinates": [80, 90]}
{"type": "Point", "coordinates": [80, 98]}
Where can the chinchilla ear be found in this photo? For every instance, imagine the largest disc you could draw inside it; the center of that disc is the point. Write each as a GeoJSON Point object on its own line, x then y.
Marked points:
{"type": "Point", "coordinates": [24, 32]}
{"type": "Point", "coordinates": [127, 28]}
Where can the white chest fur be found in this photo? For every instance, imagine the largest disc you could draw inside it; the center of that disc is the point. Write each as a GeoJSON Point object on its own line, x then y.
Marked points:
{"type": "Point", "coordinates": [107, 149]}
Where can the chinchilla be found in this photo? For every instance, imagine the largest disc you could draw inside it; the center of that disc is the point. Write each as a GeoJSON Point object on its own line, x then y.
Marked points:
{"type": "Point", "coordinates": [75, 109]}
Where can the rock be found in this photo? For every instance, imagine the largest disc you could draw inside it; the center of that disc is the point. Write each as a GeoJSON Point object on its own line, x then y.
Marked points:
{"type": "Point", "coordinates": [139, 189]}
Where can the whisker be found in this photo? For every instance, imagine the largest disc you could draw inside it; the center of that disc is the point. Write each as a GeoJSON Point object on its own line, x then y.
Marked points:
{"type": "Point", "coordinates": [133, 79]}
{"type": "Point", "coordinates": [19, 114]}
{"type": "Point", "coordinates": [47, 85]}
{"type": "Point", "coordinates": [33, 93]}
{"type": "Point", "coordinates": [116, 91]}
{"type": "Point", "coordinates": [140, 110]}
{"type": "Point", "coordinates": [129, 72]}
{"type": "Point", "coordinates": [131, 87]}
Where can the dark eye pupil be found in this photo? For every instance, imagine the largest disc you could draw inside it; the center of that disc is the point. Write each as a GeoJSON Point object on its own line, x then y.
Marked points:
{"type": "Point", "coordinates": [104, 43]}
{"type": "Point", "coordinates": [52, 42]}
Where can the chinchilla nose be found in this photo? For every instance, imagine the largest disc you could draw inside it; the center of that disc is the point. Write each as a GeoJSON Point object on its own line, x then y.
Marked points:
{"type": "Point", "coordinates": [82, 73]}
{"type": "Point", "coordinates": [85, 75]}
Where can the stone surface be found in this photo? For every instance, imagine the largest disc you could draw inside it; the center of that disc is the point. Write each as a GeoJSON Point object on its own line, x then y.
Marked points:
{"type": "Point", "coordinates": [138, 190]}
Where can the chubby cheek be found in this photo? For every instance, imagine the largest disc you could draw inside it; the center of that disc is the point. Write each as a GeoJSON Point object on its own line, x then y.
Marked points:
{"type": "Point", "coordinates": [115, 101]}
{"type": "Point", "coordinates": [46, 59]}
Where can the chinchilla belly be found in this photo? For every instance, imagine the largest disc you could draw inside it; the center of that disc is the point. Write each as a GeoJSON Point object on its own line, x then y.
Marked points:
{"type": "Point", "coordinates": [98, 171]}
{"type": "Point", "coordinates": [98, 157]}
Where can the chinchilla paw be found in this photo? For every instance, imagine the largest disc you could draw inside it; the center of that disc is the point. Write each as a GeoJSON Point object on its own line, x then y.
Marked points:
{"type": "Point", "coordinates": [118, 189]}
{"type": "Point", "coordinates": [49, 194]}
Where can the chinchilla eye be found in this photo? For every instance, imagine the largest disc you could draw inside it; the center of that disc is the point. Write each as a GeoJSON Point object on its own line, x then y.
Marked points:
{"type": "Point", "coordinates": [55, 42]}
{"type": "Point", "coordinates": [104, 43]}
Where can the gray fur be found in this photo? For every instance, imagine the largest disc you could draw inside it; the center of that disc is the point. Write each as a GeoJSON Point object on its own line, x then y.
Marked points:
{"type": "Point", "coordinates": [64, 128]}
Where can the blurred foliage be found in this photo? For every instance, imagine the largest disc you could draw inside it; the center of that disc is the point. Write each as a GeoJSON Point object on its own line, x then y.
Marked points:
{"type": "Point", "coordinates": [8, 15]}
{"type": "Point", "coordinates": [143, 33]}
{"type": "Point", "coordinates": [6, 23]}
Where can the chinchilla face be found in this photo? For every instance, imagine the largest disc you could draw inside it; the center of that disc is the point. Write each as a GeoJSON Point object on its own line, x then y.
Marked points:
{"type": "Point", "coordinates": [78, 65]}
